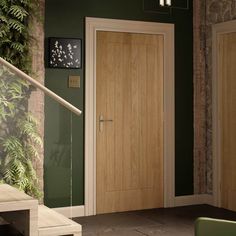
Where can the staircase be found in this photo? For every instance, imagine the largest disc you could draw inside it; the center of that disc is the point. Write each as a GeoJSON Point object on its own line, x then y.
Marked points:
{"type": "Point", "coordinates": [20, 210]}
{"type": "Point", "coordinates": [31, 219]}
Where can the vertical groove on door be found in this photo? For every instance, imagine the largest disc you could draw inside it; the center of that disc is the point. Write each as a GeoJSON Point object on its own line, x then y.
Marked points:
{"type": "Point", "coordinates": [227, 114]}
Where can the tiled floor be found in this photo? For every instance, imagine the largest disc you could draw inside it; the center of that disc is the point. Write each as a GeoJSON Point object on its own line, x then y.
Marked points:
{"type": "Point", "coordinates": [165, 222]}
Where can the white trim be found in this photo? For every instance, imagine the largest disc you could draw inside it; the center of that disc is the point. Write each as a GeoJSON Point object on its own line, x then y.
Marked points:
{"type": "Point", "coordinates": [194, 200]}
{"type": "Point", "coordinates": [217, 29]}
{"type": "Point", "coordinates": [70, 212]}
{"type": "Point", "coordinates": [41, 87]}
{"type": "Point", "coordinates": [167, 30]}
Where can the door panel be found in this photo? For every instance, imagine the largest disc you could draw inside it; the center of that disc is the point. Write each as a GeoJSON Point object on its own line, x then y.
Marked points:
{"type": "Point", "coordinates": [130, 147]}
{"type": "Point", "coordinates": [227, 88]}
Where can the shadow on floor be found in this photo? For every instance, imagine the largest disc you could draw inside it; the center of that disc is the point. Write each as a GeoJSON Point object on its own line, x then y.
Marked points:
{"type": "Point", "coordinates": [177, 221]}
{"type": "Point", "coordinates": [7, 230]}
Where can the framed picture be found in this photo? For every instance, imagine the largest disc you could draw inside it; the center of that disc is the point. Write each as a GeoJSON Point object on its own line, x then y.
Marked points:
{"type": "Point", "coordinates": [65, 53]}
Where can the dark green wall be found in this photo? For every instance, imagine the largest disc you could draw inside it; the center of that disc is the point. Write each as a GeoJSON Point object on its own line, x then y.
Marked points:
{"type": "Point", "coordinates": [67, 19]}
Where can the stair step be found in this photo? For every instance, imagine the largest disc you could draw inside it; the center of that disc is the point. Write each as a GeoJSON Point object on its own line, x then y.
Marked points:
{"type": "Point", "coordinates": [16, 206]}
{"type": "Point", "coordinates": [10, 194]}
{"type": "Point", "coordinates": [51, 223]}
{"type": "Point", "coordinates": [19, 210]}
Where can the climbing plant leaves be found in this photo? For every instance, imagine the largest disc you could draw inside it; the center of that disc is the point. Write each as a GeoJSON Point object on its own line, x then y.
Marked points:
{"type": "Point", "coordinates": [19, 137]}
{"type": "Point", "coordinates": [18, 12]}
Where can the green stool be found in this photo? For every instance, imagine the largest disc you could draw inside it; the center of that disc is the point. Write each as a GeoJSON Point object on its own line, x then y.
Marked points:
{"type": "Point", "coordinates": [214, 227]}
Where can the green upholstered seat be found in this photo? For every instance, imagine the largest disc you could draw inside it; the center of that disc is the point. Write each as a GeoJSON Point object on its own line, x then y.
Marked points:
{"type": "Point", "coordinates": [214, 227]}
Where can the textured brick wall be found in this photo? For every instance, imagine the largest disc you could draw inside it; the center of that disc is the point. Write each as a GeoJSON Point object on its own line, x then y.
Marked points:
{"type": "Point", "coordinates": [199, 97]}
{"type": "Point", "coordinates": [36, 101]}
{"type": "Point", "coordinates": [206, 13]}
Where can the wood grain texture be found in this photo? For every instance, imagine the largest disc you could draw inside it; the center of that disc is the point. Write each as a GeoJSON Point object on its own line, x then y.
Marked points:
{"type": "Point", "coordinates": [129, 149]}
{"type": "Point", "coordinates": [23, 213]}
{"type": "Point", "coordinates": [19, 209]}
{"type": "Point", "coordinates": [51, 223]}
{"type": "Point", "coordinates": [227, 116]}
{"type": "Point", "coordinates": [10, 194]}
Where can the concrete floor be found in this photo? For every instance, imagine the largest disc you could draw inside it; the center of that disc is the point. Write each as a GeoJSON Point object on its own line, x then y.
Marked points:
{"type": "Point", "coordinates": [165, 222]}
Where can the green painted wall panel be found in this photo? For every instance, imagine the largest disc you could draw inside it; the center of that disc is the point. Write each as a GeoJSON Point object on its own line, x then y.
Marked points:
{"type": "Point", "coordinates": [67, 19]}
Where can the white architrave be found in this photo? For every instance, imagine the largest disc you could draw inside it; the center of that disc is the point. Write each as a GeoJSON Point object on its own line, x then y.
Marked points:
{"type": "Point", "coordinates": [167, 30]}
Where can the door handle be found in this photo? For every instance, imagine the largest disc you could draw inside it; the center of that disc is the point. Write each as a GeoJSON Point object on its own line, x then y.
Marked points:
{"type": "Point", "coordinates": [101, 121]}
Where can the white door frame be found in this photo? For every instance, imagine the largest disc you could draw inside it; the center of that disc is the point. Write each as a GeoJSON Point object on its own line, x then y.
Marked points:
{"type": "Point", "coordinates": [167, 30]}
{"type": "Point", "coordinates": [217, 30]}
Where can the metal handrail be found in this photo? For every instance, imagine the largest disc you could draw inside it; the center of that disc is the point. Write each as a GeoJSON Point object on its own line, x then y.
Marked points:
{"type": "Point", "coordinates": [38, 85]}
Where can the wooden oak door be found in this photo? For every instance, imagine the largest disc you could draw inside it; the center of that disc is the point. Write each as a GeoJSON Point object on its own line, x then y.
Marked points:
{"type": "Point", "coordinates": [227, 112]}
{"type": "Point", "coordinates": [129, 112]}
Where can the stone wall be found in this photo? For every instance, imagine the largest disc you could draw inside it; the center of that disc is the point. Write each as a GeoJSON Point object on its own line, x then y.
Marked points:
{"type": "Point", "coordinates": [36, 101]}
{"type": "Point", "coordinates": [206, 13]}
{"type": "Point", "coordinates": [200, 147]}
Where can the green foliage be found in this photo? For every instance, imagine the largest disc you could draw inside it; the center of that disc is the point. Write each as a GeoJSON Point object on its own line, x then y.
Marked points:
{"type": "Point", "coordinates": [4, 5]}
{"type": "Point", "coordinates": [14, 35]}
{"type": "Point", "coordinates": [16, 25]}
{"type": "Point", "coordinates": [18, 12]}
{"type": "Point", "coordinates": [25, 2]}
{"type": "Point", "coordinates": [19, 137]}
{"type": "Point", "coordinates": [17, 46]}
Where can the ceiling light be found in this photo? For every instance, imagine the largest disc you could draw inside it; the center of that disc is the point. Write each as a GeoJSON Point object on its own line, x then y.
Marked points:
{"type": "Point", "coordinates": [165, 3]}
{"type": "Point", "coordinates": [168, 2]}
{"type": "Point", "coordinates": [162, 3]}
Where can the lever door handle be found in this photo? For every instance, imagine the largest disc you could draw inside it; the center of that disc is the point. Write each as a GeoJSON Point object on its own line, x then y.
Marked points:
{"type": "Point", "coordinates": [101, 121]}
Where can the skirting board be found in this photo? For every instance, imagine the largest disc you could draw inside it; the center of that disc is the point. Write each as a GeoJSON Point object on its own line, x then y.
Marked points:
{"type": "Point", "coordinates": [78, 211]}
{"type": "Point", "coordinates": [194, 200]}
{"type": "Point", "coordinates": [71, 212]}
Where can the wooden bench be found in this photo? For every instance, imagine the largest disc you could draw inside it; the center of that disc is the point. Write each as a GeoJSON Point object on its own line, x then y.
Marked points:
{"type": "Point", "coordinates": [51, 223]}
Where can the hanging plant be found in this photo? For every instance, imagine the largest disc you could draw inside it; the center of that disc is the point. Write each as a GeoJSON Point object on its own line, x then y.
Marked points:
{"type": "Point", "coordinates": [19, 137]}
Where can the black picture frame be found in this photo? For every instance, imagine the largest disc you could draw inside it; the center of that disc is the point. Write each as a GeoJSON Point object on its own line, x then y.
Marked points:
{"type": "Point", "coordinates": [65, 53]}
